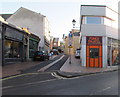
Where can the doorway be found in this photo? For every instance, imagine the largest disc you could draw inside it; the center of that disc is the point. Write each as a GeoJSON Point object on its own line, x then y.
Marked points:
{"type": "Point", "coordinates": [94, 56]}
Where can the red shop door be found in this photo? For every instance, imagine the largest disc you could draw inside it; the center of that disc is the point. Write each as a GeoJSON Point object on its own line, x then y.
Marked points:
{"type": "Point", "coordinates": [94, 56]}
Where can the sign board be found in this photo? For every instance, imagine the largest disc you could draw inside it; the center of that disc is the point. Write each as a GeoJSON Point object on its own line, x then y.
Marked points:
{"type": "Point", "coordinates": [70, 40]}
{"type": "Point", "coordinates": [70, 46]}
{"type": "Point", "coordinates": [93, 40]}
{"type": "Point", "coordinates": [70, 35]}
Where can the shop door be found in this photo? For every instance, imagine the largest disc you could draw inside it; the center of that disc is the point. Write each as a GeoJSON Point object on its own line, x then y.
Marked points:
{"type": "Point", "coordinates": [94, 56]}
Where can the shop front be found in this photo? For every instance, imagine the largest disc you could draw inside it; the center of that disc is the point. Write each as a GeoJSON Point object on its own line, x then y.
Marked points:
{"type": "Point", "coordinates": [14, 44]}
{"type": "Point", "coordinates": [113, 52]}
{"type": "Point", "coordinates": [94, 51]}
{"type": "Point", "coordinates": [33, 45]}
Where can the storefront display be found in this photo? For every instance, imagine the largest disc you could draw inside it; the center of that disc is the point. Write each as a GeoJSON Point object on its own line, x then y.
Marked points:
{"type": "Point", "coordinates": [14, 44]}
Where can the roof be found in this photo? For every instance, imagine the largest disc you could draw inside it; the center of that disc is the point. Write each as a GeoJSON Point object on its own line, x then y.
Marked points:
{"type": "Point", "coordinates": [95, 5]}
{"type": "Point", "coordinates": [25, 13]}
{"type": "Point", "coordinates": [5, 16]}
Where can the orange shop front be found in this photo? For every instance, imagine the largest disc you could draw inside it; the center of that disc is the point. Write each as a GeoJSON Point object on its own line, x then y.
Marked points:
{"type": "Point", "coordinates": [94, 51]}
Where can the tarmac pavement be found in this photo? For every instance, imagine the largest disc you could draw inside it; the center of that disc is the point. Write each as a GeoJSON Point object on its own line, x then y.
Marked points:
{"type": "Point", "coordinates": [76, 69]}
{"type": "Point", "coordinates": [67, 70]}
{"type": "Point", "coordinates": [14, 69]}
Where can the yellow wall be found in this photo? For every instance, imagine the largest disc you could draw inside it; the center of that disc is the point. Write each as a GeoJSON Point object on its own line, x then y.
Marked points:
{"type": "Point", "coordinates": [75, 45]}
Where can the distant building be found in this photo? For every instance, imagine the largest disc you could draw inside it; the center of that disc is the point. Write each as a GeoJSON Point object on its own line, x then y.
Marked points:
{"type": "Point", "coordinates": [99, 36]}
{"type": "Point", "coordinates": [56, 43]}
{"type": "Point", "coordinates": [36, 23]}
{"type": "Point", "coordinates": [75, 42]}
{"type": "Point", "coordinates": [66, 50]}
{"type": "Point", "coordinates": [51, 42]}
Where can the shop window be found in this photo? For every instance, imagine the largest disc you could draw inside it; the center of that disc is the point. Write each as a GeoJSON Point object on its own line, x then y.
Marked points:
{"type": "Point", "coordinates": [94, 52]}
{"type": "Point", "coordinates": [33, 46]}
{"type": "Point", "coordinates": [12, 49]}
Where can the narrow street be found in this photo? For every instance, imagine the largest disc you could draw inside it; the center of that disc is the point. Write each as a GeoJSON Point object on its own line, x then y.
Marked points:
{"type": "Point", "coordinates": [32, 82]}
{"type": "Point", "coordinates": [33, 74]}
{"type": "Point", "coordinates": [64, 48]}
{"type": "Point", "coordinates": [97, 84]}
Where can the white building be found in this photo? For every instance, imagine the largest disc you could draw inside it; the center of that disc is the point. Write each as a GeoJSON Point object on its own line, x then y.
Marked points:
{"type": "Point", "coordinates": [99, 36]}
{"type": "Point", "coordinates": [36, 23]}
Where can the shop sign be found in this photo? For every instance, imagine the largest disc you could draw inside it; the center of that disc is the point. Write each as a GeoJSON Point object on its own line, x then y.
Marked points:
{"type": "Point", "coordinates": [95, 40]}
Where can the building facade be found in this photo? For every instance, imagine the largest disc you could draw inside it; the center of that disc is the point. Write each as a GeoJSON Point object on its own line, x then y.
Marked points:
{"type": "Point", "coordinates": [36, 23]}
{"type": "Point", "coordinates": [99, 36]}
{"type": "Point", "coordinates": [56, 43]}
{"type": "Point", "coordinates": [75, 42]}
{"type": "Point", "coordinates": [14, 43]}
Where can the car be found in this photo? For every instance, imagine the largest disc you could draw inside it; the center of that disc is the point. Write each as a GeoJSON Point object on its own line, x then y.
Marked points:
{"type": "Point", "coordinates": [41, 55]}
{"type": "Point", "coordinates": [55, 52]}
{"type": "Point", "coordinates": [77, 53]}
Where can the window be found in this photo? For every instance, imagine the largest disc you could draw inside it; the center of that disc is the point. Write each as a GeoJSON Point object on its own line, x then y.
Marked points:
{"type": "Point", "coordinates": [93, 20]}
{"type": "Point", "coordinates": [94, 52]}
{"type": "Point", "coordinates": [12, 49]}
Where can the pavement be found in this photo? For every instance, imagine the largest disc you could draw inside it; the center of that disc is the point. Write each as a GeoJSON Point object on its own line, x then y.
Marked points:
{"type": "Point", "coordinates": [67, 70]}
{"type": "Point", "coordinates": [14, 69]}
{"type": "Point", "coordinates": [76, 69]}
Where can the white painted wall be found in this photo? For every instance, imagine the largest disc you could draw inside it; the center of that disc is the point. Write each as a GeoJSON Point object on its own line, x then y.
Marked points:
{"type": "Point", "coordinates": [112, 15]}
{"type": "Point", "coordinates": [111, 32]}
{"type": "Point", "coordinates": [104, 52]}
{"type": "Point", "coordinates": [35, 22]}
{"type": "Point", "coordinates": [92, 10]}
{"type": "Point", "coordinates": [93, 30]}
{"type": "Point", "coordinates": [83, 51]}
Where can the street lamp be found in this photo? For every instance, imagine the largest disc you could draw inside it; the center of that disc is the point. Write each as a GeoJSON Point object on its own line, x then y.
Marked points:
{"type": "Point", "coordinates": [73, 22]}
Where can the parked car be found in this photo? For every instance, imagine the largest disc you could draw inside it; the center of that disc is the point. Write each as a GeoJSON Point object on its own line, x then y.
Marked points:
{"type": "Point", "coordinates": [77, 53]}
{"type": "Point", "coordinates": [41, 55]}
{"type": "Point", "coordinates": [55, 52]}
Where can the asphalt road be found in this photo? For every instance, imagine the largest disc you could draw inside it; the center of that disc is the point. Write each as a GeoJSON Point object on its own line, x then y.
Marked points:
{"type": "Point", "coordinates": [96, 84]}
{"type": "Point", "coordinates": [39, 66]}
{"type": "Point", "coordinates": [32, 75]}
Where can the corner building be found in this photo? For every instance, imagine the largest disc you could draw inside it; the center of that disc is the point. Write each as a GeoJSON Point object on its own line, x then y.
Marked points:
{"type": "Point", "coordinates": [99, 36]}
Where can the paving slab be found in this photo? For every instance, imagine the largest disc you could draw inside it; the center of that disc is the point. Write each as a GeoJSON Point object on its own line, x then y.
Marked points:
{"type": "Point", "coordinates": [76, 69]}
{"type": "Point", "coordinates": [16, 68]}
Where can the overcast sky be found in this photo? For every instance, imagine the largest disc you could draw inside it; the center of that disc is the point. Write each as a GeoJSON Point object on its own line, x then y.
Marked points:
{"type": "Point", "coordinates": [60, 13]}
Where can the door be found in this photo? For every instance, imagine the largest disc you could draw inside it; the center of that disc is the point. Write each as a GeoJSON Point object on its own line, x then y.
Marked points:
{"type": "Point", "coordinates": [94, 56]}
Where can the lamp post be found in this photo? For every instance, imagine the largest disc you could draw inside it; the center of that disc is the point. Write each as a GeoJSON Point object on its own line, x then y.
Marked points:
{"type": "Point", "coordinates": [73, 22]}
{"type": "Point", "coordinates": [70, 40]}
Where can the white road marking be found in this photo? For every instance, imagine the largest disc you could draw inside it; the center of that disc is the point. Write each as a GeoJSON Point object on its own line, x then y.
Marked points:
{"type": "Point", "coordinates": [57, 76]}
{"type": "Point", "coordinates": [33, 83]}
{"type": "Point", "coordinates": [6, 87]}
{"type": "Point", "coordinates": [46, 67]}
{"type": "Point", "coordinates": [102, 90]}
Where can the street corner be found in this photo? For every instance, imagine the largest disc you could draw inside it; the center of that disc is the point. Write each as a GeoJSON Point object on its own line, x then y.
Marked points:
{"type": "Point", "coordinates": [84, 73]}
{"type": "Point", "coordinates": [68, 74]}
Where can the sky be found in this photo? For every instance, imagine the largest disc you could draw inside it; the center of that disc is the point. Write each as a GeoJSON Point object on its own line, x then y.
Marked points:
{"type": "Point", "coordinates": [60, 13]}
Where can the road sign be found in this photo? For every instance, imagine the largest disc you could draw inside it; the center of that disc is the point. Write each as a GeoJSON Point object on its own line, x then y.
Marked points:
{"type": "Point", "coordinates": [70, 35]}
{"type": "Point", "coordinates": [70, 46]}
